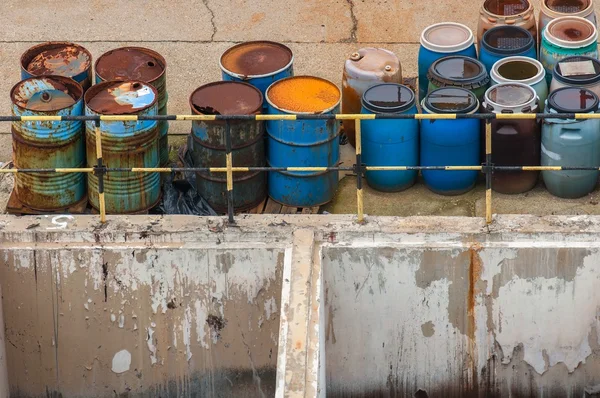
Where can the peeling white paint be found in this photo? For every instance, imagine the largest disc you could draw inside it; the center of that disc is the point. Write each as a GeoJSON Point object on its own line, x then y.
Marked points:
{"type": "Point", "coordinates": [201, 324]}
{"type": "Point", "coordinates": [270, 307]}
{"type": "Point", "coordinates": [187, 331]}
{"type": "Point", "coordinates": [492, 265]}
{"type": "Point", "coordinates": [113, 318]}
{"type": "Point", "coordinates": [121, 362]}
{"type": "Point", "coordinates": [121, 321]}
{"type": "Point", "coordinates": [151, 346]}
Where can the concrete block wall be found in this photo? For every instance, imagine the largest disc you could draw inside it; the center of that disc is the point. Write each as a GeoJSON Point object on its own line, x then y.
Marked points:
{"type": "Point", "coordinates": [301, 306]}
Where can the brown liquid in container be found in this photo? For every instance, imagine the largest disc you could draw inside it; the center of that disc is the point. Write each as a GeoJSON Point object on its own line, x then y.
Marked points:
{"type": "Point", "coordinates": [517, 70]}
{"type": "Point", "coordinates": [226, 98]}
{"type": "Point", "coordinates": [256, 58]}
{"type": "Point", "coordinates": [506, 12]}
{"type": "Point", "coordinates": [506, 7]}
{"type": "Point", "coordinates": [130, 64]}
{"type": "Point", "coordinates": [572, 30]}
{"type": "Point", "coordinates": [567, 6]}
{"type": "Point", "coordinates": [107, 98]}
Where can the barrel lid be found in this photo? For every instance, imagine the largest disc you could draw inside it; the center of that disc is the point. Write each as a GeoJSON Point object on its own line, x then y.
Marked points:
{"type": "Point", "coordinates": [447, 37]}
{"type": "Point", "coordinates": [568, 6]}
{"type": "Point", "coordinates": [256, 59]}
{"type": "Point", "coordinates": [510, 98]}
{"type": "Point", "coordinates": [226, 98]}
{"type": "Point", "coordinates": [388, 98]}
{"type": "Point", "coordinates": [303, 94]}
{"type": "Point", "coordinates": [130, 63]}
{"type": "Point", "coordinates": [507, 39]}
{"type": "Point", "coordinates": [56, 58]}
{"type": "Point", "coordinates": [571, 32]}
{"type": "Point", "coordinates": [578, 70]}
{"type": "Point", "coordinates": [458, 69]}
{"type": "Point", "coordinates": [573, 100]}
{"type": "Point", "coordinates": [46, 94]}
{"type": "Point", "coordinates": [372, 62]}
{"type": "Point", "coordinates": [506, 7]}
{"type": "Point", "coordinates": [518, 69]}
{"type": "Point", "coordinates": [120, 97]}
{"type": "Point", "coordinates": [451, 100]}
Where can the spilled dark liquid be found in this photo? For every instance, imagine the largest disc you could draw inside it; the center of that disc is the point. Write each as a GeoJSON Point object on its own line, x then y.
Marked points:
{"type": "Point", "coordinates": [129, 64]}
{"type": "Point", "coordinates": [457, 68]}
{"type": "Point", "coordinates": [567, 6]}
{"type": "Point", "coordinates": [389, 96]}
{"type": "Point", "coordinates": [49, 100]}
{"type": "Point", "coordinates": [506, 7]}
{"type": "Point", "coordinates": [571, 30]}
{"type": "Point", "coordinates": [517, 70]}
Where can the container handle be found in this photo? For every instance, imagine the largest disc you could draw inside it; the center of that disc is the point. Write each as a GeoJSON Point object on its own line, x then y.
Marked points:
{"type": "Point", "coordinates": [570, 133]}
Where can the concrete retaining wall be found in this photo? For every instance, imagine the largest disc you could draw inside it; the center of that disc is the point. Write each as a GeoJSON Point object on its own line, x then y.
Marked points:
{"type": "Point", "coordinates": [304, 306]}
{"type": "Point", "coordinates": [3, 367]}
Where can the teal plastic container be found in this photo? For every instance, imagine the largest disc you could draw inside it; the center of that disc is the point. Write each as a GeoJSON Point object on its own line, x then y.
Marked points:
{"type": "Point", "coordinates": [567, 37]}
{"type": "Point", "coordinates": [571, 143]}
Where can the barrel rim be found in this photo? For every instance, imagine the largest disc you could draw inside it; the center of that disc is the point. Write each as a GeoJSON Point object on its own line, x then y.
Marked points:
{"type": "Point", "coordinates": [555, 41]}
{"type": "Point", "coordinates": [567, 80]}
{"type": "Point", "coordinates": [538, 77]}
{"type": "Point", "coordinates": [155, 54]}
{"type": "Point", "coordinates": [395, 109]}
{"type": "Point", "coordinates": [495, 107]}
{"type": "Point", "coordinates": [328, 110]}
{"type": "Point", "coordinates": [452, 48]}
{"type": "Point", "coordinates": [501, 51]}
{"type": "Point", "coordinates": [96, 88]}
{"type": "Point", "coordinates": [559, 109]}
{"type": "Point", "coordinates": [467, 111]}
{"type": "Point", "coordinates": [223, 82]}
{"type": "Point", "coordinates": [31, 52]}
{"type": "Point", "coordinates": [485, 11]}
{"type": "Point", "coordinates": [482, 78]}
{"type": "Point", "coordinates": [246, 77]}
{"type": "Point", "coordinates": [557, 14]}
{"type": "Point", "coordinates": [66, 81]}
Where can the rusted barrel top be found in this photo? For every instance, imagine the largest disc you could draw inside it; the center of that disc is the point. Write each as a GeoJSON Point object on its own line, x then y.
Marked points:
{"type": "Point", "coordinates": [304, 94]}
{"type": "Point", "coordinates": [120, 97]}
{"type": "Point", "coordinates": [256, 58]}
{"type": "Point", "coordinates": [226, 98]}
{"type": "Point", "coordinates": [131, 63]}
{"type": "Point", "coordinates": [46, 94]}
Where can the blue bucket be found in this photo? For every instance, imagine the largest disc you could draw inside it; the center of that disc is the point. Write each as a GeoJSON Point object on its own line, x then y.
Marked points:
{"type": "Point", "coordinates": [506, 41]}
{"type": "Point", "coordinates": [390, 142]}
{"type": "Point", "coordinates": [450, 142]}
{"type": "Point", "coordinates": [302, 143]}
{"type": "Point", "coordinates": [259, 63]}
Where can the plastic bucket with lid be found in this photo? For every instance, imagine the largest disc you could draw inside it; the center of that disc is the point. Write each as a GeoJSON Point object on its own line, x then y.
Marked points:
{"type": "Point", "coordinates": [441, 40]}
{"type": "Point", "coordinates": [390, 142]}
{"type": "Point", "coordinates": [514, 142]}
{"type": "Point", "coordinates": [494, 13]}
{"type": "Point", "coordinates": [522, 70]}
{"type": "Point", "coordinates": [303, 143]}
{"type": "Point", "coordinates": [450, 142]}
{"type": "Point", "coordinates": [506, 41]}
{"type": "Point", "coordinates": [459, 71]}
{"type": "Point", "coordinates": [571, 143]}
{"type": "Point", "coordinates": [566, 37]}
{"type": "Point", "coordinates": [581, 72]}
{"type": "Point", "coordinates": [552, 9]}
{"type": "Point", "coordinates": [259, 63]}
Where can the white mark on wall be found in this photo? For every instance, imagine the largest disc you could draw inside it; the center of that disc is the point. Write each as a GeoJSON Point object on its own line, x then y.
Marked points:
{"type": "Point", "coordinates": [270, 307]}
{"type": "Point", "coordinates": [122, 321]}
{"type": "Point", "coordinates": [113, 318]}
{"type": "Point", "coordinates": [530, 312]}
{"type": "Point", "coordinates": [151, 346]}
{"type": "Point", "coordinates": [121, 362]}
{"type": "Point", "coordinates": [60, 222]}
{"type": "Point", "coordinates": [492, 265]}
{"type": "Point", "coordinates": [187, 331]}
{"type": "Point", "coordinates": [201, 324]}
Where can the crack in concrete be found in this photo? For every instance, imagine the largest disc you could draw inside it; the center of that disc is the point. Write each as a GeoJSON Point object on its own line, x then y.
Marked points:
{"type": "Point", "coordinates": [212, 20]}
{"type": "Point", "coordinates": [352, 38]}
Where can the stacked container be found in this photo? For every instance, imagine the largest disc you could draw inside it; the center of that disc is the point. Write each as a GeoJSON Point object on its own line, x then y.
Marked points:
{"type": "Point", "coordinates": [459, 71]}
{"type": "Point", "coordinates": [494, 13]}
{"type": "Point", "coordinates": [506, 41]}
{"type": "Point", "coordinates": [390, 142]}
{"type": "Point", "coordinates": [303, 143]}
{"type": "Point", "coordinates": [125, 144]}
{"type": "Point", "coordinates": [552, 9]}
{"type": "Point", "coordinates": [571, 143]}
{"type": "Point", "coordinates": [522, 70]}
{"type": "Point", "coordinates": [364, 69]}
{"type": "Point", "coordinates": [581, 72]}
{"type": "Point", "coordinates": [48, 144]}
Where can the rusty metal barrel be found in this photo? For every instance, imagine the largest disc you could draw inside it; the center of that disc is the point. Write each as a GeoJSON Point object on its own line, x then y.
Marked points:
{"type": "Point", "coordinates": [208, 147]}
{"type": "Point", "coordinates": [125, 144]}
{"type": "Point", "coordinates": [58, 59]}
{"type": "Point", "coordinates": [41, 145]}
{"type": "Point", "coordinates": [142, 64]}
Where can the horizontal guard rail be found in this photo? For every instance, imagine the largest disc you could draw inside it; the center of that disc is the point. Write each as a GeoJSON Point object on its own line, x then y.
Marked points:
{"type": "Point", "coordinates": [100, 169]}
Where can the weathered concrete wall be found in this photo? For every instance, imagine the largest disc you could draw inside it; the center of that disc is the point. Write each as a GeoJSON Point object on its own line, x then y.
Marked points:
{"type": "Point", "coordinates": [127, 310]}
{"type": "Point", "coordinates": [3, 366]}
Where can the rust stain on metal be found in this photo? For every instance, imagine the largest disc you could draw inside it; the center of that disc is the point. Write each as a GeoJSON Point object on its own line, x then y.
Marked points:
{"type": "Point", "coordinates": [226, 98]}
{"type": "Point", "coordinates": [120, 98]}
{"type": "Point", "coordinates": [256, 58]}
{"type": "Point", "coordinates": [131, 63]}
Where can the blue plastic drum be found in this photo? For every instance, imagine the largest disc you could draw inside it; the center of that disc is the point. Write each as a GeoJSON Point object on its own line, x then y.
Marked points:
{"type": "Point", "coordinates": [506, 41]}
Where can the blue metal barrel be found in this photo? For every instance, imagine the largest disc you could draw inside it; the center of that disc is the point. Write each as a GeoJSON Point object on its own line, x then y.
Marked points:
{"type": "Point", "coordinates": [302, 143]}
{"type": "Point", "coordinates": [259, 63]}
{"type": "Point", "coordinates": [48, 144]}
{"type": "Point", "coordinates": [141, 64]}
{"type": "Point", "coordinates": [571, 143]}
{"type": "Point", "coordinates": [390, 142]}
{"type": "Point", "coordinates": [58, 59]}
{"type": "Point", "coordinates": [450, 142]}
{"type": "Point", "coordinates": [125, 144]}
{"type": "Point", "coordinates": [208, 145]}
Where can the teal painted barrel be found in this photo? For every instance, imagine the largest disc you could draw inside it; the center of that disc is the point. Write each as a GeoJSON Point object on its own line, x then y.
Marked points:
{"type": "Point", "coordinates": [48, 144]}
{"type": "Point", "coordinates": [58, 59]}
{"type": "Point", "coordinates": [125, 144]}
{"type": "Point", "coordinates": [141, 64]}
{"type": "Point", "coordinates": [303, 143]}
{"type": "Point", "coordinates": [208, 144]}
{"type": "Point", "coordinates": [571, 143]}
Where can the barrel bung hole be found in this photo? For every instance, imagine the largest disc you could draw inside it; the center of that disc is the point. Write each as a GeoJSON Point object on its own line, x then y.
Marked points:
{"type": "Point", "coordinates": [137, 85]}
{"type": "Point", "coordinates": [151, 64]}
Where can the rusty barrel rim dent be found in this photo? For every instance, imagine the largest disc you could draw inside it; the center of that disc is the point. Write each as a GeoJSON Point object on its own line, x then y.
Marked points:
{"type": "Point", "coordinates": [66, 81]}
{"type": "Point", "coordinates": [246, 77]}
{"type": "Point", "coordinates": [31, 52]}
{"type": "Point", "coordinates": [228, 83]}
{"type": "Point", "coordinates": [97, 88]}
{"type": "Point", "coordinates": [328, 110]}
{"type": "Point", "coordinates": [162, 62]}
